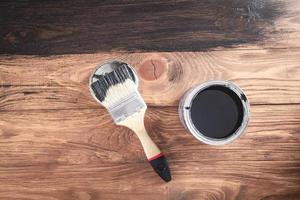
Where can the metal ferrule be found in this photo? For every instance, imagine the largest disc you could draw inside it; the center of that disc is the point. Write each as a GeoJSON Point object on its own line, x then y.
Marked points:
{"type": "Point", "coordinates": [126, 107]}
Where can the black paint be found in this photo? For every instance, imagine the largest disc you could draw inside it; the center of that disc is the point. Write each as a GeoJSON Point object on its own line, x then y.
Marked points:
{"type": "Point", "coordinates": [118, 76]}
{"type": "Point", "coordinates": [49, 27]}
{"type": "Point", "coordinates": [217, 112]}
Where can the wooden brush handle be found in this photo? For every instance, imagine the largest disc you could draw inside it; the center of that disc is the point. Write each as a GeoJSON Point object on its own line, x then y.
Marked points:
{"type": "Point", "coordinates": [154, 155]}
{"type": "Point", "coordinates": [150, 148]}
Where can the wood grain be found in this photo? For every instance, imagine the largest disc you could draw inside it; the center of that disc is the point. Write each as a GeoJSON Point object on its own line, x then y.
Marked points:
{"type": "Point", "coordinates": [82, 154]}
{"type": "Point", "coordinates": [47, 28]}
{"type": "Point", "coordinates": [61, 82]}
{"type": "Point", "coordinates": [56, 142]}
{"type": "Point", "coordinates": [91, 135]}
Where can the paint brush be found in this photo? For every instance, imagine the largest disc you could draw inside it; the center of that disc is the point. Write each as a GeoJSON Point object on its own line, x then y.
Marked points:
{"type": "Point", "coordinates": [118, 93]}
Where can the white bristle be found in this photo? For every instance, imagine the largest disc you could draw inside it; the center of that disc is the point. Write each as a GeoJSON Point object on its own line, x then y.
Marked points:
{"type": "Point", "coordinates": [119, 91]}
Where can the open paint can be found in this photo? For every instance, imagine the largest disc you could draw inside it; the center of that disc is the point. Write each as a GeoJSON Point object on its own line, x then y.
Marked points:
{"type": "Point", "coordinates": [215, 112]}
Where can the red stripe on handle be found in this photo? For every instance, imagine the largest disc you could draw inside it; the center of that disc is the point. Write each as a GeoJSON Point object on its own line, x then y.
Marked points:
{"type": "Point", "coordinates": [156, 156]}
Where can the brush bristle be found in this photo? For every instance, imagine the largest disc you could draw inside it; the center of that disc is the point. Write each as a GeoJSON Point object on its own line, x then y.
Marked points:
{"type": "Point", "coordinates": [113, 86]}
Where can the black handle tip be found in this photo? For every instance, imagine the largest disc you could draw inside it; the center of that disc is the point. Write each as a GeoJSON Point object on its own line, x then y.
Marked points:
{"type": "Point", "coordinates": [161, 167]}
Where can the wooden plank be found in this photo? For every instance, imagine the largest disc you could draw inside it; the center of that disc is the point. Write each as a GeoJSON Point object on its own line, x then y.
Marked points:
{"type": "Point", "coordinates": [56, 142]}
{"type": "Point", "coordinates": [80, 154]}
{"type": "Point", "coordinates": [192, 180]}
{"type": "Point", "coordinates": [47, 28]}
{"type": "Point", "coordinates": [89, 136]}
{"type": "Point", "coordinates": [61, 82]}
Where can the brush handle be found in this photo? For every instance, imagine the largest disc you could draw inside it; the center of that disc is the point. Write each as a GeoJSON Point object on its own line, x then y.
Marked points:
{"type": "Point", "coordinates": [154, 155]}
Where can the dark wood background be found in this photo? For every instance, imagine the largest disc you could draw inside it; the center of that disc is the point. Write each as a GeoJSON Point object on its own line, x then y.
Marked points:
{"type": "Point", "coordinates": [56, 142]}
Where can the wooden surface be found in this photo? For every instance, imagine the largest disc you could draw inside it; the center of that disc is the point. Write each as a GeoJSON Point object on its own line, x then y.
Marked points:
{"type": "Point", "coordinates": [56, 142]}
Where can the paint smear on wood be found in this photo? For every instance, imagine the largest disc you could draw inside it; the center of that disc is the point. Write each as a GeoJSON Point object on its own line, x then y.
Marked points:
{"type": "Point", "coordinates": [45, 28]}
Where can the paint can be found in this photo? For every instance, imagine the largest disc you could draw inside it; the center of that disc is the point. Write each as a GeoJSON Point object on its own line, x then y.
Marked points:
{"type": "Point", "coordinates": [215, 112]}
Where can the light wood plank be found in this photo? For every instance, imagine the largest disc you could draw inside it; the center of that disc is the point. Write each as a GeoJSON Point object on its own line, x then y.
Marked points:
{"type": "Point", "coordinates": [74, 154]}
{"type": "Point", "coordinates": [61, 82]}
{"type": "Point", "coordinates": [87, 136]}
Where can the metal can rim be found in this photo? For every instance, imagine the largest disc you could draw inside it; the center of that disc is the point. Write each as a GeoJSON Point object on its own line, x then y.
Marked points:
{"type": "Point", "coordinates": [185, 117]}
